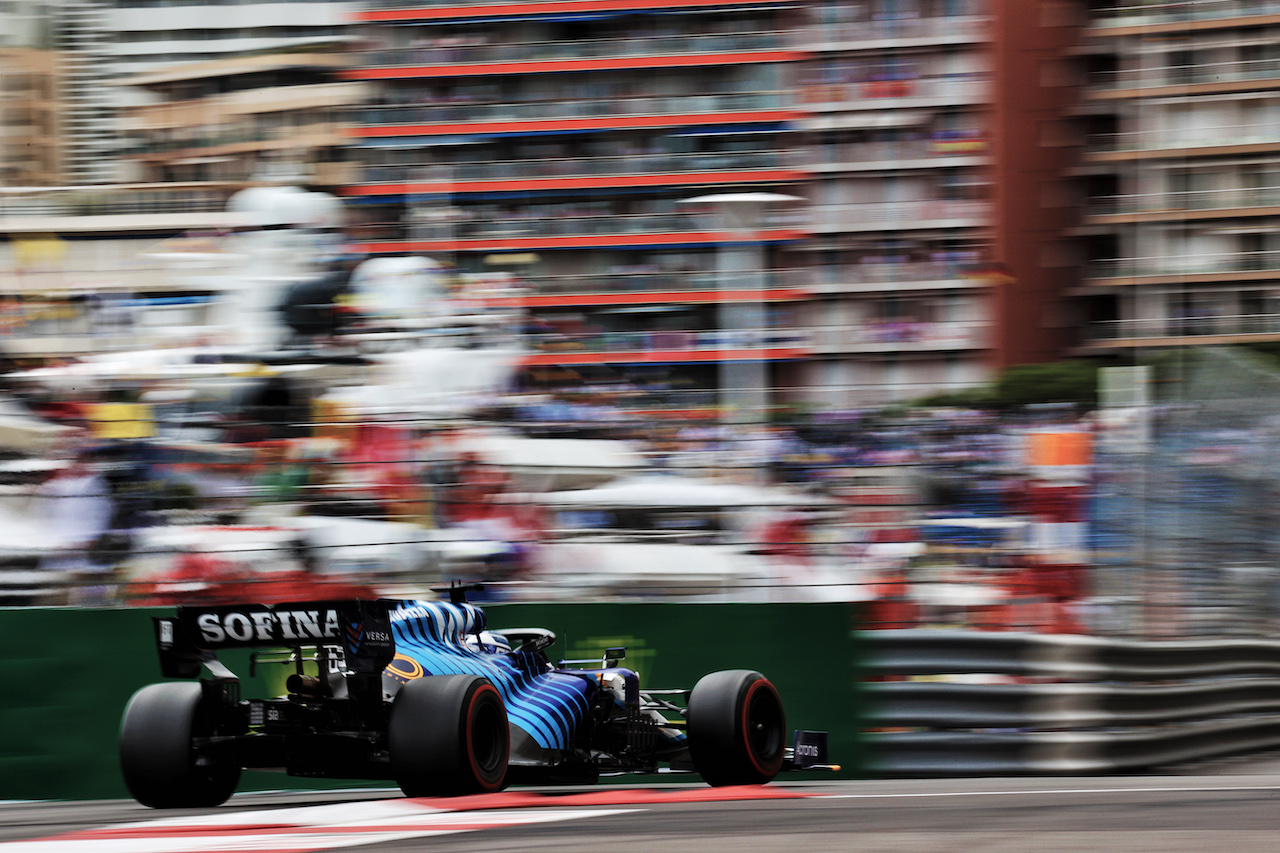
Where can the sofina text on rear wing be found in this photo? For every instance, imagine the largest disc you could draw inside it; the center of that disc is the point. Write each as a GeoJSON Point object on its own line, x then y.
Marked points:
{"type": "Point", "coordinates": [191, 640]}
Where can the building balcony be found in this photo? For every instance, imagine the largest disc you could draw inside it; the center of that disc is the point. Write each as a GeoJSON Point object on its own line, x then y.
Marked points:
{"type": "Point", "coordinates": [1206, 268]}
{"type": "Point", "coordinates": [564, 172]}
{"type": "Point", "coordinates": [1190, 142]}
{"type": "Point", "coordinates": [689, 61]}
{"type": "Point", "coordinates": [425, 10]}
{"type": "Point", "coordinates": [901, 335]}
{"type": "Point", "coordinates": [1179, 15]}
{"type": "Point", "coordinates": [653, 287]}
{"type": "Point", "coordinates": [1180, 206]}
{"type": "Point", "coordinates": [899, 215]}
{"type": "Point", "coordinates": [642, 111]}
{"type": "Point", "coordinates": [1184, 331]}
{"type": "Point", "coordinates": [448, 55]}
{"type": "Point", "coordinates": [318, 135]}
{"type": "Point", "coordinates": [331, 174]}
{"type": "Point", "coordinates": [921, 91]}
{"type": "Point", "coordinates": [893, 277]}
{"type": "Point", "coordinates": [520, 232]}
{"type": "Point", "coordinates": [518, 224]}
{"type": "Point", "coordinates": [1185, 79]}
{"type": "Point", "coordinates": [25, 206]}
{"type": "Point", "coordinates": [236, 106]}
{"type": "Point", "coordinates": [892, 32]}
{"type": "Point", "coordinates": [668, 346]}
{"type": "Point", "coordinates": [941, 151]}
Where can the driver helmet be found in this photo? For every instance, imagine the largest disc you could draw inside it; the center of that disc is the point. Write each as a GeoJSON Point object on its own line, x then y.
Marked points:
{"type": "Point", "coordinates": [488, 642]}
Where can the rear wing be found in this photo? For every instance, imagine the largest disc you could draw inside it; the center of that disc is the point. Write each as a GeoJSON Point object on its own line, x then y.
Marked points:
{"type": "Point", "coordinates": [191, 639]}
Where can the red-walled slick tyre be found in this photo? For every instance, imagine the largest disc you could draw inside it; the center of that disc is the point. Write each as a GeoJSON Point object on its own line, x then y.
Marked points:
{"type": "Point", "coordinates": [736, 728]}
{"type": "Point", "coordinates": [448, 735]}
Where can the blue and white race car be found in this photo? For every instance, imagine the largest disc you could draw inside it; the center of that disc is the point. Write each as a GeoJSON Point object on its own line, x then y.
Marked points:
{"type": "Point", "coordinates": [420, 692]}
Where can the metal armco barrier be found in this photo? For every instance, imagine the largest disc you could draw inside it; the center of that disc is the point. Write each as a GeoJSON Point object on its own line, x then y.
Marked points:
{"type": "Point", "coordinates": [1066, 704]}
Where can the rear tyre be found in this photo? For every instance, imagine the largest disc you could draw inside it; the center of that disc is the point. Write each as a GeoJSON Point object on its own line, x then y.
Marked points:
{"type": "Point", "coordinates": [736, 728]}
{"type": "Point", "coordinates": [448, 735]}
{"type": "Point", "coordinates": [161, 766]}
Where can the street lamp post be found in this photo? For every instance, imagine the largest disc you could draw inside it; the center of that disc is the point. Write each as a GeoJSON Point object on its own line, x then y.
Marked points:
{"type": "Point", "coordinates": [743, 394]}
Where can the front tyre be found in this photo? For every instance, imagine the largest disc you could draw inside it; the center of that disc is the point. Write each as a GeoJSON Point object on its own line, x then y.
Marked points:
{"type": "Point", "coordinates": [158, 757]}
{"type": "Point", "coordinates": [448, 735]}
{"type": "Point", "coordinates": [736, 728]}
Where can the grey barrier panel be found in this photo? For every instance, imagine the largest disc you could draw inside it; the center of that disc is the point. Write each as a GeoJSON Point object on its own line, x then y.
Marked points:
{"type": "Point", "coordinates": [942, 754]}
{"type": "Point", "coordinates": [957, 703]}
{"type": "Point", "coordinates": [945, 705]}
{"type": "Point", "coordinates": [924, 652]}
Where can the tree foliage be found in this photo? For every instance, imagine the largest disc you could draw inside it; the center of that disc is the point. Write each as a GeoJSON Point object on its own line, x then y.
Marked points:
{"type": "Point", "coordinates": [1072, 381]}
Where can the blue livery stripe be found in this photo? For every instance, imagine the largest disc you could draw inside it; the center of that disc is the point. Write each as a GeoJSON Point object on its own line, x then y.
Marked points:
{"type": "Point", "coordinates": [549, 706]}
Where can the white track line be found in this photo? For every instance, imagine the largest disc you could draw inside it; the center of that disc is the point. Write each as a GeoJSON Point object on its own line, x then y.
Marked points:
{"type": "Point", "coordinates": [1047, 791]}
{"type": "Point", "coordinates": [293, 830]}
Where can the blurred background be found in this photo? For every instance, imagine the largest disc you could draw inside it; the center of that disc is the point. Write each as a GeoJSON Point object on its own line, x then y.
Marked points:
{"type": "Point", "coordinates": [961, 311]}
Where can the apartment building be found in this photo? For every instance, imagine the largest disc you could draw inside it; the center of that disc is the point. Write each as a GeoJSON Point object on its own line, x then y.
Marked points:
{"type": "Point", "coordinates": [1183, 172]}
{"type": "Point", "coordinates": [83, 39]}
{"type": "Point", "coordinates": [100, 42]}
{"type": "Point", "coordinates": [125, 204]}
{"type": "Point", "coordinates": [564, 139]}
{"type": "Point", "coordinates": [899, 152]}
{"type": "Point", "coordinates": [30, 140]}
{"type": "Point", "coordinates": [944, 195]}
{"type": "Point", "coordinates": [148, 35]}
{"type": "Point", "coordinates": [242, 120]}
{"type": "Point", "coordinates": [559, 145]}
{"type": "Point", "coordinates": [571, 134]}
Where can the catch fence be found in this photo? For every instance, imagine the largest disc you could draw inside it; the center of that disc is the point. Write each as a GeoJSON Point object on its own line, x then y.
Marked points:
{"type": "Point", "coordinates": [1185, 521]}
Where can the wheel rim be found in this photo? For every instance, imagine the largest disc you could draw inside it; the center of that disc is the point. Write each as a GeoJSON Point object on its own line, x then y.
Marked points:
{"type": "Point", "coordinates": [763, 726]}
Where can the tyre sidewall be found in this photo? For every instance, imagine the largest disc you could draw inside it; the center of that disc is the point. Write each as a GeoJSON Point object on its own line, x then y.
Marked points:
{"type": "Point", "coordinates": [719, 741]}
{"type": "Point", "coordinates": [483, 714]}
{"type": "Point", "coordinates": [449, 734]}
{"type": "Point", "coordinates": [157, 758]}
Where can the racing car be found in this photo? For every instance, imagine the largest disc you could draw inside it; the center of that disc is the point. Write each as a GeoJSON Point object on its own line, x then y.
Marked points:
{"type": "Point", "coordinates": [424, 694]}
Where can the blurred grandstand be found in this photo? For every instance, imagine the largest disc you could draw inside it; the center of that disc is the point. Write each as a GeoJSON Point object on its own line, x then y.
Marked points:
{"type": "Point", "coordinates": [395, 434]}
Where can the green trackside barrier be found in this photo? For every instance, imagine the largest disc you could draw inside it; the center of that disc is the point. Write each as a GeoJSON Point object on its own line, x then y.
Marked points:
{"type": "Point", "coordinates": [67, 675]}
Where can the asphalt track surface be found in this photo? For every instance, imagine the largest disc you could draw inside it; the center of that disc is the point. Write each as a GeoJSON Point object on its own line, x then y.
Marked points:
{"type": "Point", "coordinates": [1233, 807]}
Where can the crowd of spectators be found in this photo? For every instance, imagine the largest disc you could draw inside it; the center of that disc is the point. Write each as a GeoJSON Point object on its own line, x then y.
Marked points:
{"type": "Point", "coordinates": [955, 463]}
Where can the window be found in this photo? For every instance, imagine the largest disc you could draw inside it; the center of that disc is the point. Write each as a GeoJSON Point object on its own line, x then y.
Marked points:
{"type": "Point", "coordinates": [1260, 60]}
{"type": "Point", "coordinates": [958, 184]}
{"type": "Point", "coordinates": [1181, 67]}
